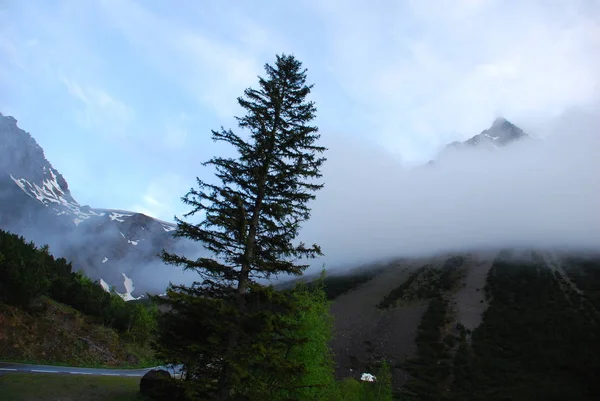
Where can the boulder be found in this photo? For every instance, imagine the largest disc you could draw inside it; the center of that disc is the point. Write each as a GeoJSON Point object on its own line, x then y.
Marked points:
{"type": "Point", "coordinates": [158, 384]}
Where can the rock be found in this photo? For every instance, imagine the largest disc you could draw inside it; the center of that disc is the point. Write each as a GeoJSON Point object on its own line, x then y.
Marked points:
{"type": "Point", "coordinates": [158, 384]}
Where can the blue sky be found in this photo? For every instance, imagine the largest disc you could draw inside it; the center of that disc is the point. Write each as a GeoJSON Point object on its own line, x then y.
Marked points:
{"type": "Point", "coordinates": [122, 94]}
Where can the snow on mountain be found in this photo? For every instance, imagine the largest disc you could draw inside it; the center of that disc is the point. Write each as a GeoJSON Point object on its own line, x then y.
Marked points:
{"type": "Point", "coordinates": [127, 284]}
{"type": "Point", "coordinates": [35, 202]}
{"type": "Point", "coordinates": [168, 227]}
{"type": "Point", "coordinates": [119, 216]}
{"type": "Point", "coordinates": [129, 287]}
{"type": "Point", "coordinates": [104, 285]}
{"type": "Point", "coordinates": [51, 195]}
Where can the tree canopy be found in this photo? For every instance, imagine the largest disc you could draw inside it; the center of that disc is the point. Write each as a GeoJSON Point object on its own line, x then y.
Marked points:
{"type": "Point", "coordinates": [232, 332]}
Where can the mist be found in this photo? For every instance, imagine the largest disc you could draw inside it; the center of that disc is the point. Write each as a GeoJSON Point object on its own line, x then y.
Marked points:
{"type": "Point", "coordinates": [541, 192]}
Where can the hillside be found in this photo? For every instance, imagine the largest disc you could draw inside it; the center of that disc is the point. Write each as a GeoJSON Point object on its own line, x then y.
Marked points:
{"type": "Point", "coordinates": [56, 334]}
{"type": "Point", "coordinates": [50, 314]}
{"type": "Point", "coordinates": [477, 326]}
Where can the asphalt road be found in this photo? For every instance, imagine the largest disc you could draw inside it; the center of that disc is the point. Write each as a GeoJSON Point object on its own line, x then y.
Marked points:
{"type": "Point", "coordinates": [6, 367]}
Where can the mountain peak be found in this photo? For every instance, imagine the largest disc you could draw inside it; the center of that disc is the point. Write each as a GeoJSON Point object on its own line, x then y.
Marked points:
{"type": "Point", "coordinates": [501, 132]}
{"type": "Point", "coordinates": [23, 159]}
{"type": "Point", "coordinates": [9, 119]}
{"type": "Point", "coordinates": [500, 121]}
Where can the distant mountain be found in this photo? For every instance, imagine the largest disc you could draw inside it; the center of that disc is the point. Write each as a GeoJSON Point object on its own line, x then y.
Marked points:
{"type": "Point", "coordinates": [117, 247]}
{"type": "Point", "coordinates": [120, 247]}
{"type": "Point", "coordinates": [500, 134]}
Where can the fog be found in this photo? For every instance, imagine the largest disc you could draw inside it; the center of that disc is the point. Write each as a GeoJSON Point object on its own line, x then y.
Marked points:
{"type": "Point", "coordinates": [542, 193]}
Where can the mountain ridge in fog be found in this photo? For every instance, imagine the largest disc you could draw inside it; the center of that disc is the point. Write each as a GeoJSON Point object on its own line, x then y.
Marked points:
{"type": "Point", "coordinates": [531, 192]}
{"type": "Point", "coordinates": [497, 189]}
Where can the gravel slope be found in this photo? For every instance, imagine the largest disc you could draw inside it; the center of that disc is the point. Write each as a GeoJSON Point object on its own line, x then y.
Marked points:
{"type": "Point", "coordinates": [363, 334]}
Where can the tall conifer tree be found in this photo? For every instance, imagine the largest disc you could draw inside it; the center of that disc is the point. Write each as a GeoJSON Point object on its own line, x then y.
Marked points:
{"type": "Point", "coordinates": [227, 322]}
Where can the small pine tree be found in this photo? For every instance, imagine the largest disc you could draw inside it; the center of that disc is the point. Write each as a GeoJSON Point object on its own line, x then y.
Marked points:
{"type": "Point", "coordinates": [226, 323]}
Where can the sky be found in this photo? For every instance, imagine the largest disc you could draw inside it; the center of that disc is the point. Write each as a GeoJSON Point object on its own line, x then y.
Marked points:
{"type": "Point", "coordinates": [122, 94]}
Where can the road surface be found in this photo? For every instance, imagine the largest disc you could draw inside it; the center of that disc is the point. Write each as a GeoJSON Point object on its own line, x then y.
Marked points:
{"type": "Point", "coordinates": [19, 367]}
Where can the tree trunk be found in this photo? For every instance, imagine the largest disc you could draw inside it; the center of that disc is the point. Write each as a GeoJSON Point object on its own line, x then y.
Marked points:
{"type": "Point", "coordinates": [224, 380]}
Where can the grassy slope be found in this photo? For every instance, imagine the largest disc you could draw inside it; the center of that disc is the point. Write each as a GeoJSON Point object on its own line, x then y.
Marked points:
{"type": "Point", "coordinates": [52, 387]}
{"type": "Point", "coordinates": [57, 334]}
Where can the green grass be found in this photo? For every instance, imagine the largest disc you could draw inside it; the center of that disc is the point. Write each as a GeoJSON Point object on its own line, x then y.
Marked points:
{"type": "Point", "coordinates": [52, 387]}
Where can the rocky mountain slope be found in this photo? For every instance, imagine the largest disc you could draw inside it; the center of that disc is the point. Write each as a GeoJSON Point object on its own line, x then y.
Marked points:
{"type": "Point", "coordinates": [117, 246]}
{"type": "Point", "coordinates": [500, 134]}
{"type": "Point", "coordinates": [476, 325]}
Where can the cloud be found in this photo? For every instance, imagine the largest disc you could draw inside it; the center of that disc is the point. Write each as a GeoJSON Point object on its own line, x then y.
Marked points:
{"type": "Point", "coordinates": [538, 193]}
{"type": "Point", "coordinates": [176, 132]}
{"type": "Point", "coordinates": [428, 72]}
{"type": "Point", "coordinates": [203, 64]}
{"type": "Point", "coordinates": [161, 194]}
{"type": "Point", "coordinates": [408, 76]}
{"type": "Point", "coordinates": [100, 109]}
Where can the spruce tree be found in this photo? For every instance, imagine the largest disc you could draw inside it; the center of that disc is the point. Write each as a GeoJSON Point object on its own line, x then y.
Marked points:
{"type": "Point", "coordinates": [227, 324]}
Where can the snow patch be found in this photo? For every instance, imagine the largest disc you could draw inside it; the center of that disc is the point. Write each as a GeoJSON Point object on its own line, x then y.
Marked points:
{"type": "Point", "coordinates": [118, 216]}
{"type": "Point", "coordinates": [133, 242]}
{"type": "Point", "coordinates": [50, 193]}
{"type": "Point", "coordinates": [105, 260]}
{"type": "Point", "coordinates": [168, 228]}
{"type": "Point", "coordinates": [129, 287]}
{"type": "Point", "coordinates": [104, 285]}
{"type": "Point", "coordinates": [21, 183]}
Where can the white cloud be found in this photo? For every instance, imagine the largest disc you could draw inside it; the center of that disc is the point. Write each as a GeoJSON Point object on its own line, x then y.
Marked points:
{"type": "Point", "coordinates": [176, 132]}
{"type": "Point", "coordinates": [410, 76]}
{"type": "Point", "coordinates": [100, 109]}
{"type": "Point", "coordinates": [426, 68]}
{"type": "Point", "coordinates": [161, 199]}
{"type": "Point", "coordinates": [9, 52]}
{"type": "Point", "coordinates": [540, 193]}
{"type": "Point", "coordinates": [211, 69]}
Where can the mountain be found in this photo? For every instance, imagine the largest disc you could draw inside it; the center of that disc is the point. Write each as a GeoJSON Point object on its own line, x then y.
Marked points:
{"type": "Point", "coordinates": [479, 325]}
{"type": "Point", "coordinates": [502, 133]}
{"type": "Point", "coordinates": [116, 247]}
{"type": "Point", "coordinates": [120, 247]}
